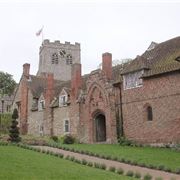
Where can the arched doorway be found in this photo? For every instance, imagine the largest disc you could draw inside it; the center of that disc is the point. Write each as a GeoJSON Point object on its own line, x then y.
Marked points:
{"type": "Point", "coordinates": [100, 128]}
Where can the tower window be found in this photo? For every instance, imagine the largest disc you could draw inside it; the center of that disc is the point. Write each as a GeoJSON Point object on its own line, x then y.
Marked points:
{"type": "Point", "coordinates": [149, 113]}
{"type": "Point", "coordinates": [69, 59]}
{"type": "Point", "coordinates": [54, 59]}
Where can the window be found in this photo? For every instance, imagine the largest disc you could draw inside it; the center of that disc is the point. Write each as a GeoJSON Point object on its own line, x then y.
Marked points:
{"type": "Point", "coordinates": [62, 53]}
{"type": "Point", "coordinates": [66, 126]}
{"type": "Point", "coordinates": [62, 100]}
{"type": "Point", "coordinates": [54, 59]}
{"type": "Point", "coordinates": [41, 130]}
{"type": "Point", "coordinates": [34, 104]}
{"type": "Point", "coordinates": [132, 80]}
{"type": "Point", "coordinates": [41, 105]}
{"type": "Point", "coordinates": [69, 59]}
{"type": "Point", "coordinates": [8, 108]}
{"type": "Point", "coordinates": [149, 113]}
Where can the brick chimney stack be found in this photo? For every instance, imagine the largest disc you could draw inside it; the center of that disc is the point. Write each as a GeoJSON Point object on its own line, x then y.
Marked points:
{"type": "Point", "coordinates": [26, 69]}
{"type": "Point", "coordinates": [50, 88]}
{"type": "Point", "coordinates": [107, 64]}
{"type": "Point", "coordinates": [49, 95]}
{"type": "Point", "coordinates": [76, 80]}
{"type": "Point", "coordinates": [24, 100]}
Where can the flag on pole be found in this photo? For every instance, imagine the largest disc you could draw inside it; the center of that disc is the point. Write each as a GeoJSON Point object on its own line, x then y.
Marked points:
{"type": "Point", "coordinates": [38, 33]}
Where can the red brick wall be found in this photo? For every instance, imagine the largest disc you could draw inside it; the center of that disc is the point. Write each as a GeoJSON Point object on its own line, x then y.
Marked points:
{"type": "Point", "coordinates": [163, 94]}
{"type": "Point", "coordinates": [99, 99]}
{"type": "Point", "coordinates": [76, 80]}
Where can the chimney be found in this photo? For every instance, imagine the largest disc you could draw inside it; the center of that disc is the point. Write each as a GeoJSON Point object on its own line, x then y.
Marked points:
{"type": "Point", "coordinates": [107, 65]}
{"type": "Point", "coordinates": [49, 89]}
{"type": "Point", "coordinates": [76, 81]}
{"type": "Point", "coordinates": [26, 69]}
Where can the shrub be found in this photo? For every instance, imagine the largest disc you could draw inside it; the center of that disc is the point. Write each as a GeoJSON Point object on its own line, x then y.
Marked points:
{"type": "Point", "coordinates": [102, 156]}
{"type": "Point", "coordinates": [128, 161]}
{"type": "Point", "coordinates": [43, 151]}
{"type": "Point", "coordinates": [71, 158]}
{"type": "Point", "coordinates": [112, 169]}
{"type": "Point", "coordinates": [177, 171]}
{"type": "Point", "coordinates": [60, 155]}
{"type": "Point", "coordinates": [114, 158]}
{"type": "Point", "coordinates": [84, 162]}
{"type": "Point", "coordinates": [68, 139]}
{"type": "Point", "coordinates": [151, 166]}
{"type": "Point", "coordinates": [55, 138]}
{"type": "Point", "coordinates": [124, 142]}
{"type": "Point", "coordinates": [137, 175]}
{"type": "Point", "coordinates": [103, 166]}
{"type": "Point", "coordinates": [90, 164]}
{"type": "Point", "coordinates": [130, 173]}
{"type": "Point", "coordinates": [67, 157]}
{"type": "Point", "coordinates": [77, 161]}
{"type": "Point", "coordinates": [14, 130]}
{"type": "Point", "coordinates": [161, 167]}
{"type": "Point", "coordinates": [120, 171]}
{"type": "Point", "coordinates": [158, 178]}
{"type": "Point", "coordinates": [122, 160]}
{"type": "Point", "coordinates": [142, 164]}
{"type": "Point", "coordinates": [91, 153]}
{"type": "Point", "coordinates": [96, 165]}
{"type": "Point", "coordinates": [108, 157]}
{"type": "Point", "coordinates": [147, 177]}
{"type": "Point", "coordinates": [135, 163]}
{"type": "Point", "coordinates": [167, 169]}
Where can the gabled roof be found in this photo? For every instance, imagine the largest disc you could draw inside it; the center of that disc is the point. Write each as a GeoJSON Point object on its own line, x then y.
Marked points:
{"type": "Point", "coordinates": [38, 85]}
{"type": "Point", "coordinates": [160, 59]}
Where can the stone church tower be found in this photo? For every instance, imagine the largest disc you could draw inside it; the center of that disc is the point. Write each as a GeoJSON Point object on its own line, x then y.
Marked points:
{"type": "Point", "coordinates": [57, 58]}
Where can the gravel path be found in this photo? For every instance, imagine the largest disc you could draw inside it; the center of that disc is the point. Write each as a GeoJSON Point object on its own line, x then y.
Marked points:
{"type": "Point", "coordinates": [109, 163]}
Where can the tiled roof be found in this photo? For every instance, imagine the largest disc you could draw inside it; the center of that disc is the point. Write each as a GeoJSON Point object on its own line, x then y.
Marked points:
{"type": "Point", "coordinates": [38, 84]}
{"type": "Point", "coordinates": [160, 59]}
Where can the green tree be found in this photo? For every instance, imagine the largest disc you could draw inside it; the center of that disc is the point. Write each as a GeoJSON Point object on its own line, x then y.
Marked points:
{"type": "Point", "coordinates": [7, 84]}
{"type": "Point", "coordinates": [14, 130]}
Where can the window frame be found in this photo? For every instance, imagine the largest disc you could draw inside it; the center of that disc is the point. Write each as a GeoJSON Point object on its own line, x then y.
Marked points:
{"type": "Point", "coordinates": [54, 58]}
{"type": "Point", "coordinates": [149, 112]}
{"type": "Point", "coordinates": [66, 126]}
{"type": "Point", "coordinates": [63, 100]}
{"type": "Point", "coordinates": [41, 105]}
{"type": "Point", "coordinates": [138, 82]}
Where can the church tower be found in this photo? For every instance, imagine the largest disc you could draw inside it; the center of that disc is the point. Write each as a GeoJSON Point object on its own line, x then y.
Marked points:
{"type": "Point", "coordinates": [57, 58]}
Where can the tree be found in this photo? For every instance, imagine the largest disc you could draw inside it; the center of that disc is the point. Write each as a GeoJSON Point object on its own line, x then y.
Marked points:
{"type": "Point", "coordinates": [14, 130]}
{"type": "Point", "coordinates": [7, 84]}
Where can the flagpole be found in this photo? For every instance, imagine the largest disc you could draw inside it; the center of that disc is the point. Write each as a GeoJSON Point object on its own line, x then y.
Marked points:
{"type": "Point", "coordinates": [42, 34]}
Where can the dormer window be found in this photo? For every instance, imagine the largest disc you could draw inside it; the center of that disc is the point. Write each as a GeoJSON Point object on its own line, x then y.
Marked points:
{"type": "Point", "coordinates": [54, 59]}
{"type": "Point", "coordinates": [34, 104]}
{"type": "Point", "coordinates": [132, 80]}
{"type": "Point", "coordinates": [62, 100]}
{"type": "Point", "coordinates": [41, 105]}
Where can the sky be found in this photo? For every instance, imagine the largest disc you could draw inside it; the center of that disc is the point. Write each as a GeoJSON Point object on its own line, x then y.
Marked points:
{"type": "Point", "coordinates": [123, 28]}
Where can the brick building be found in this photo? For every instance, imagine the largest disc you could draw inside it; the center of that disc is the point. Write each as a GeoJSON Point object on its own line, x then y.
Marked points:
{"type": "Point", "coordinates": [139, 99]}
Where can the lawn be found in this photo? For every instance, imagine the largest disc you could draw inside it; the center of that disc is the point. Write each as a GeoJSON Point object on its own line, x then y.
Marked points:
{"type": "Point", "coordinates": [17, 163]}
{"type": "Point", "coordinates": [147, 155]}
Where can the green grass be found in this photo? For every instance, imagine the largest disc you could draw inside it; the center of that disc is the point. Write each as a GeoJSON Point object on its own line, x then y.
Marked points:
{"type": "Point", "coordinates": [17, 163]}
{"type": "Point", "coordinates": [147, 155]}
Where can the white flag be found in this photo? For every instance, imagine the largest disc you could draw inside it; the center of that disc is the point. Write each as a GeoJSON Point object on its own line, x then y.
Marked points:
{"type": "Point", "coordinates": [39, 32]}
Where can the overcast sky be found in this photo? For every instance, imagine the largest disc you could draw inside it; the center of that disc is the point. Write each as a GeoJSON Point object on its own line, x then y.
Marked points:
{"type": "Point", "coordinates": [123, 28]}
